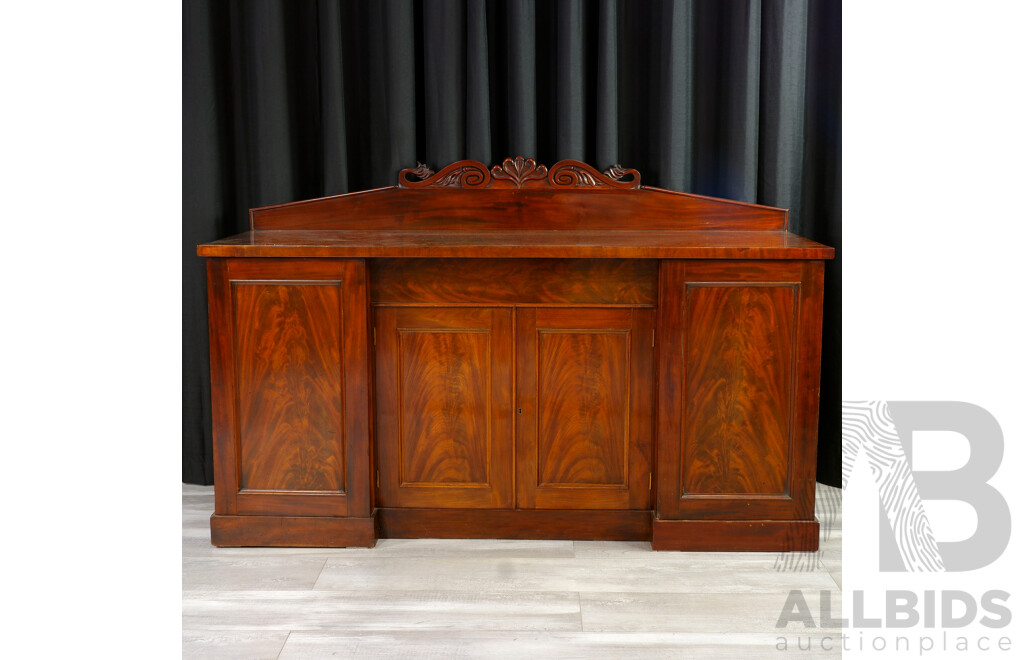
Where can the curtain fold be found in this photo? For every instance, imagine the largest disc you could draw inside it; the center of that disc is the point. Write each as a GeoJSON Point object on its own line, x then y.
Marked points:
{"type": "Point", "coordinates": [478, 84]}
{"type": "Point", "coordinates": [783, 77]}
{"type": "Point", "coordinates": [570, 108]}
{"type": "Point", "coordinates": [333, 146]}
{"type": "Point", "coordinates": [287, 100]}
{"type": "Point", "coordinates": [444, 80]}
{"type": "Point", "coordinates": [606, 101]}
{"type": "Point", "coordinates": [521, 74]}
{"type": "Point", "coordinates": [675, 119]}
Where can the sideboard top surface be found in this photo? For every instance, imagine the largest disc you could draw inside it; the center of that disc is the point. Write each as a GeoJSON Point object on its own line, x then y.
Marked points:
{"type": "Point", "coordinates": [519, 209]}
{"type": "Point", "coordinates": [610, 244]}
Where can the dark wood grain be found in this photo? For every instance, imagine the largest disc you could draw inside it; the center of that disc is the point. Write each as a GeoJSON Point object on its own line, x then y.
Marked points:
{"type": "Point", "coordinates": [288, 342]}
{"type": "Point", "coordinates": [444, 399]}
{"type": "Point", "coordinates": [513, 281]}
{"type": "Point", "coordinates": [444, 422]}
{"type": "Point", "coordinates": [582, 404]}
{"type": "Point", "coordinates": [469, 241]}
{"type": "Point", "coordinates": [575, 524]}
{"type": "Point", "coordinates": [739, 352]}
{"type": "Point", "coordinates": [583, 389]}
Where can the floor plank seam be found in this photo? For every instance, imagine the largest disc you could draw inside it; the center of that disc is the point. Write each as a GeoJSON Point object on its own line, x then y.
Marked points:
{"type": "Point", "coordinates": [832, 575]}
{"type": "Point", "coordinates": [286, 638]}
{"type": "Point", "coordinates": [321, 573]}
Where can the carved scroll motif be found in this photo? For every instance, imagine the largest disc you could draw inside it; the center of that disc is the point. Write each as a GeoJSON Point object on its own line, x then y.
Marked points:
{"type": "Point", "coordinates": [574, 174]}
{"type": "Point", "coordinates": [460, 174]}
{"type": "Point", "coordinates": [518, 172]}
{"type": "Point", "coordinates": [422, 171]}
{"type": "Point", "coordinates": [617, 172]}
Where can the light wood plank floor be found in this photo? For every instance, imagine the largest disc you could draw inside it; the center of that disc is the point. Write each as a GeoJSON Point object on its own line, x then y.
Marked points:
{"type": "Point", "coordinates": [454, 599]}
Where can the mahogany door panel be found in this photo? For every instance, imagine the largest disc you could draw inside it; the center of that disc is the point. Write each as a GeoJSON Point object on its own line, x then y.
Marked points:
{"type": "Point", "coordinates": [289, 385]}
{"type": "Point", "coordinates": [444, 400]}
{"type": "Point", "coordinates": [584, 407]}
{"type": "Point", "coordinates": [290, 374]}
{"type": "Point", "coordinates": [736, 372]}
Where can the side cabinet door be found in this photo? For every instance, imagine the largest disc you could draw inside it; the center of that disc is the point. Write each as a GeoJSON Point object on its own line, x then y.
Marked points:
{"type": "Point", "coordinates": [739, 358]}
{"type": "Point", "coordinates": [584, 404]}
{"type": "Point", "coordinates": [444, 400]}
{"type": "Point", "coordinates": [290, 374]}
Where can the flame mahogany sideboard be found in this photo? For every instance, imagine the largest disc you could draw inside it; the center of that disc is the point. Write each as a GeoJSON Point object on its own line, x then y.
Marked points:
{"type": "Point", "coordinates": [516, 352]}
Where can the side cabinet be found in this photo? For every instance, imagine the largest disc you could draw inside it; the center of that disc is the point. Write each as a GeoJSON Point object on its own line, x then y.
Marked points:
{"type": "Point", "coordinates": [290, 375]}
{"type": "Point", "coordinates": [738, 401]}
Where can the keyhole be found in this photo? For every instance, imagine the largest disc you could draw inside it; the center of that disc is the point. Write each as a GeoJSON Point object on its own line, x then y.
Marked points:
{"type": "Point", "coordinates": [520, 411]}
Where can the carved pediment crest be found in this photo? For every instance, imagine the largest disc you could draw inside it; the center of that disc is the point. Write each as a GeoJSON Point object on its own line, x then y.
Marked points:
{"type": "Point", "coordinates": [519, 173]}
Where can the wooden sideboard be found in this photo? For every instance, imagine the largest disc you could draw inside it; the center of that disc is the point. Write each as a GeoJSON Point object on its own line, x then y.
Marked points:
{"type": "Point", "coordinates": [516, 352]}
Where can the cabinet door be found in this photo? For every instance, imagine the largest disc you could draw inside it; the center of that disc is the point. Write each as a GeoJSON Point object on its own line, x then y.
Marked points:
{"type": "Point", "coordinates": [444, 407]}
{"type": "Point", "coordinates": [290, 369]}
{"type": "Point", "coordinates": [584, 405]}
{"type": "Point", "coordinates": [739, 358]}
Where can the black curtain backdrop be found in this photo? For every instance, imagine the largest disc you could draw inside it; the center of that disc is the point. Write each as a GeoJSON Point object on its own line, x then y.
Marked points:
{"type": "Point", "coordinates": [292, 99]}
